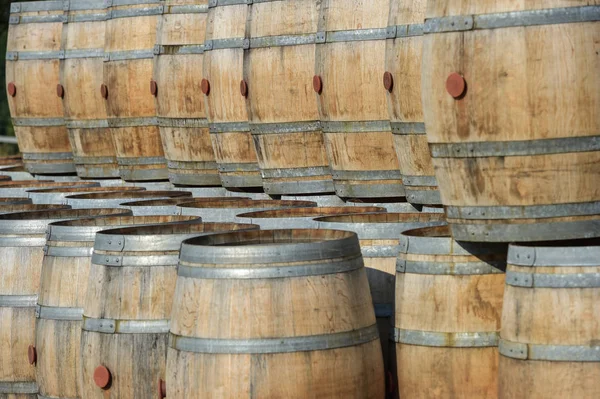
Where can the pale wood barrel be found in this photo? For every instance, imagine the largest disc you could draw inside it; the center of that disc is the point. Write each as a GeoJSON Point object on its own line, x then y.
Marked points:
{"type": "Point", "coordinates": [22, 240]}
{"type": "Point", "coordinates": [402, 84]}
{"type": "Point", "coordinates": [227, 211]}
{"type": "Point", "coordinates": [32, 74]}
{"type": "Point", "coordinates": [64, 280]}
{"type": "Point", "coordinates": [57, 195]}
{"type": "Point", "coordinates": [179, 54]}
{"type": "Point", "coordinates": [301, 218]}
{"type": "Point", "coordinates": [379, 236]}
{"type": "Point", "coordinates": [125, 332]}
{"type": "Point", "coordinates": [319, 339]}
{"type": "Point", "coordinates": [550, 335]}
{"type": "Point", "coordinates": [284, 120]}
{"type": "Point", "coordinates": [510, 100]}
{"type": "Point", "coordinates": [81, 75]}
{"type": "Point", "coordinates": [19, 188]}
{"type": "Point", "coordinates": [116, 198]}
{"type": "Point", "coordinates": [350, 59]}
{"type": "Point", "coordinates": [226, 108]}
{"type": "Point", "coordinates": [448, 305]}
{"type": "Point", "coordinates": [169, 206]}
{"type": "Point", "coordinates": [131, 111]}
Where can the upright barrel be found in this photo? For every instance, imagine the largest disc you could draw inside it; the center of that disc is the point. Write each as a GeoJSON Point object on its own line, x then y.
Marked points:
{"type": "Point", "coordinates": [402, 83]}
{"type": "Point", "coordinates": [22, 240]}
{"type": "Point", "coordinates": [33, 51]}
{"type": "Point", "coordinates": [514, 134]}
{"type": "Point", "coordinates": [57, 195]}
{"type": "Point", "coordinates": [284, 120]}
{"type": "Point", "coordinates": [550, 336]}
{"type": "Point", "coordinates": [227, 211]}
{"type": "Point", "coordinates": [131, 111]}
{"type": "Point", "coordinates": [350, 59]}
{"type": "Point", "coordinates": [64, 281]}
{"type": "Point", "coordinates": [316, 338]}
{"type": "Point", "coordinates": [81, 74]}
{"type": "Point", "coordinates": [379, 236]}
{"type": "Point", "coordinates": [180, 108]}
{"type": "Point", "coordinates": [116, 198]}
{"type": "Point", "coordinates": [125, 330]}
{"type": "Point", "coordinates": [448, 305]}
{"type": "Point", "coordinates": [226, 30]}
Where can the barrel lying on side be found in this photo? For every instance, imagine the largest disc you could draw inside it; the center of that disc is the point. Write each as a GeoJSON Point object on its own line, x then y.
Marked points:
{"type": "Point", "coordinates": [128, 307]}
{"type": "Point", "coordinates": [448, 304]}
{"type": "Point", "coordinates": [550, 336]}
{"type": "Point", "coordinates": [115, 198]}
{"type": "Point", "coordinates": [379, 236]}
{"type": "Point", "coordinates": [32, 75]}
{"type": "Point", "coordinates": [63, 287]}
{"type": "Point", "coordinates": [22, 240]}
{"type": "Point", "coordinates": [316, 338]}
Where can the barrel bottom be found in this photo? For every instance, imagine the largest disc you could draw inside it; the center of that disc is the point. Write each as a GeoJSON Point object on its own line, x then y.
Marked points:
{"type": "Point", "coordinates": [287, 186]}
{"type": "Point", "coordinates": [422, 195]}
{"type": "Point", "coordinates": [351, 372]}
{"type": "Point", "coordinates": [369, 189]}
{"type": "Point", "coordinates": [58, 366]}
{"type": "Point", "coordinates": [442, 372]}
{"type": "Point", "coordinates": [533, 379]}
{"type": "Point", "coordinates": [136, 363]}
{"type": "Point", "coordinates": [524, 230]}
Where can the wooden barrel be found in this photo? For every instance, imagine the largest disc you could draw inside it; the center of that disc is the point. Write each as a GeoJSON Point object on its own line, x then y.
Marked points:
{"type": "Point", "coordinates": [169, 206]}
{"type": "Point", "coordinates": [448, 304]}
{"type": "Point", "coordinates": [514, 137]}
{"type": "Point", "coordinates": [379, 243]}
{"type": "Point", "coordinates": [81, 75]}
{"type": "Point", "coordinates": [125, 334]}
{"type": "Point", "coordinates": [116, 198]}
{"type": "Point", "coordinates": [60, 306]}
{"type": "Point", "coordinates": [131, 111]}
{"type": "Point", "coordinates": [15, 201]}
{"type": "Point", "coordinates": [402, 85]}
{"type": "Point", "coordinates": [19, 188]}
{"type": "Point", "coordinates": [284, 120]}
{"type": "Point", "coordinates": [294, 347]}
{"type": "Point", "coordinates": [179, 55]}
{"type": "Point", "coordinates": [350, 59]}
{"type": "Point", "coordinates": [22, 239]}
{"type": "Point", "coordinates": [7, 207]}
{"type": "Point", "coordinates": [226, 211]}
{"type": "Point", "coordinates": [550, 336]}
{"type": "Point", "coordinates": [57, 195]}
{"type": "Point", "coordinates": [226, 109]}
{"type": "Point", "coordinates": [32, 74]}
{"type": "Point", "coordinates": [300, 218]}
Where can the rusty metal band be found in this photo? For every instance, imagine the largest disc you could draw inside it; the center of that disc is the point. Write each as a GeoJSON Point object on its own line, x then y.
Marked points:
{"type": "Point", "coordinates": [182, 122]}
{"type": "Point", "coordinates": [186, 9]}
{"type": "Point", "coordinates": [58, 313]}
{"type": "Point", "coordinates": [84, 53]}
{"type": "Point", "coordinates": [86, 124]}
{"type": "Point", "coordinates": [41, 122]}
{"type": "Point", "coordinates": [129, 55]}
{"type": "Point", "coordinates": [550, 353]}
{"type": "Point", "coordinates": [550, 16]}
{"type": "Point", "coordinates": [275, 345]}
{"type": "Point", "coordinates": [288, 127]}
{"type": "Point", "coordinates": [35, 55]}
{"type": "Point", "coordinates": [405, 30]}
{"type": "Point", "coordinates": [19, 387]}
{"type": "Point", "coordinates": [482, 339]}
{"type": "Point", "coordinates": [228, 127]}
{"type": "Point", "coordinates": [355, 126]}
{"type": "Point", "coordinates": [558, 256]}
{"type": "Point", "coordinates": [515, 148]}
{"type": "Point", "coordinates": [356, 35]}
{"type": "Point", "coordinates": [180, 49]}
{"type": "Point", "coordinates": [132, 122]}
{"type": "Point", "coordinates": [116, 326]}
{"type": "Point", "coordinates": [408, 128]}
{"type": "Point", "coordinates": [523, 212]}
{"type": "Point", "coordinates": [18, 301]}
{"type": "Point", "coordinates": [220, 44]}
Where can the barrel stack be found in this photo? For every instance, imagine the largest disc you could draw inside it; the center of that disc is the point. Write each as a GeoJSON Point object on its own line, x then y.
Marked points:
{"type": "Point", "coordinates": [424, 175]}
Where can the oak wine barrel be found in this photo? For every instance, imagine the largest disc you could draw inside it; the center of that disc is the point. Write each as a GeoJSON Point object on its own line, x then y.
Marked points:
{"type": "Point", "coordinates": [514, 134]}
{"type": "Point", "coordinates": [316, 338]}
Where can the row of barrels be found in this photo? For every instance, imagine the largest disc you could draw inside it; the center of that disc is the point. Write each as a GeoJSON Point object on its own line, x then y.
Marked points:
{"type": "Point", "coordinates": [130, 312]}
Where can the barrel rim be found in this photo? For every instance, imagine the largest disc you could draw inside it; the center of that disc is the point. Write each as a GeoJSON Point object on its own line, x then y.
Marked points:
{"type": "Point", "coordinates": [318, 210]}
{"type": "Point", "coordinates": [124, 194]}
